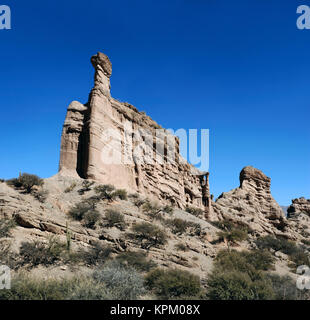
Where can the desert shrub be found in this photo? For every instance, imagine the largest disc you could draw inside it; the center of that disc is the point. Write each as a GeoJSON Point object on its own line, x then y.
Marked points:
{"type": "Point", "coordinates": [105, 192]}
{"type": "Point", "coordinates": [38, 253]}
{"type": "Point", "coordinates": [8, 257]}
{"type": "Point", "coordinates": [148, 235]}
{"type": "Point", "coordinates": [113, 218]}
{"type": "Point", "coordinates": [40, 195]}
{"type": "Point", "coordinates": [138, 202]}
{"type": "Point", "coordinates": [26, 288]}
{"type": "Point", "coordinates": [121, 194]}
{"type": "Point", "coordinates": [197, 212]}
{"type": "Point", "coordinates": [180, 226]}
{"type": "Point", "coordinates": [92, 201]}
{"type": "Point", "coordinates": [239, 276]}
{"type": "Point", "coordinates": [2, 180]}
{"type": "Point", "coordinates": [122, 283]}
{"type": "Point", "coordinates": [244, 261]}
{"type": "Point", "coordinates": [86, 186]}
{"type": "Point", "coordinates": [133, 196]}
{"type": "Point", "coordinates": [26, 182]}
{"type": "Point", "coordinates": [85, 212]}
{"type": "Point", "coordinates": [172, 283]}
{"type": "Point", "coordinates": [90, 219]}
{"type": "Point", "coordinates": [6, 225]}
{"type": "Point", "coordinates": [96, 255]}
{"type": "Point", "coordinates": [259, 259]}
{"type": "Point", "coordinates": [236, 285]}
{"type": "Point", "coordinates": [135, 260]}
{"type": "Point", "coordinates": [295, 253]}
{"type": "Point", "coordinates": [71, 188]}
{"type": "Point", "coordinates": [277, 244]}
{"type": "Point", "coordinates": [299, 257]}
{"type": "Point", "coordinates": [79, 210]}
{"type": "Point", "coordinates": [181, 247]}
{"type": "Point", "coordinates": [285, 288]}
{"type": "Point", "coordinates": [225, 225]}
{"type": "Point", "coordinates": [167, 209]}
{"type": "Point", "coordinates": [233, 236]}
{"type": "Point", "coordinates": [306, 242]}
{"type": "Point", "coordinates": [152, 209]}
{"type": "Point", "coordinates": [195, 229]}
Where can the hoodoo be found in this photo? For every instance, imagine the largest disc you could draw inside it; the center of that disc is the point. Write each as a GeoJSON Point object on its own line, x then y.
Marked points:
{"type": "Point", "coordinates": [113, 143]}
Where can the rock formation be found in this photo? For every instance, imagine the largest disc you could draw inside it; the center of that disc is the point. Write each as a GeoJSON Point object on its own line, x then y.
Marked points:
{"type": "Point", "coordinates": [298, 206]}
{"type": "Point", "coordinates": [113, 143]}
{"type": "Point", "coordinates": [252, 204]}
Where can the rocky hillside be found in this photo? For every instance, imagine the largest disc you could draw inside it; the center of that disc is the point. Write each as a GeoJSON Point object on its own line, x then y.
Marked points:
{"type": "Point", "coordinates": [90, 224]}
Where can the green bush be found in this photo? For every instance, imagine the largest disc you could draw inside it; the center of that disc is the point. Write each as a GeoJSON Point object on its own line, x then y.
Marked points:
{"type": "Point", "coordinates": [80, 288]}
{"type": "Point", "coordinates": [233, 236]}
{"type": "Point", "coordinates": [277, 244]}
{"type": "Point", "coordinates": [133, 196]}
{"type": "Point", "coordinates": [299, 257]}
{"type": "Point", "coordinates": [225, 225]}
{"type": "Point", "coordinates": [197, 212]}
{"type": "Point", "coordinates": [152, 209]}
{"type": "Point", "coordinates": [79, 210]}
{"type": "Point", "coordinates": [6, 225]}
{"type": "Point", "coordinates": [91, 218]}
{"type": "Point", "coordinates": [105, 192]}
{"type": "Point", "coordinates": [121, 194]}
{"type": "Point", "coordinates": [181, 247]}
{"type": "Point", "coordinates": [239, 276]}
{"type": "Point", "coordinates": [96, 255]}
{"type": "Point", "coordinates": [148, 235]}
{"type": "Point", "coordinates": [306, 242]}
{"type": "Point", "coordinates": [236, 285]}
{"type": "Point", "coordinates": [296, 254]}
{"type": "Point", "coordinates": [122, 283]}
{"type": "Point", "coordinates": [26, 182]}
{"type": "Point", "coordinates": [38, 253]}
{"type": "Point", "coordinates": [173, 283]}
{"type": "Point", "coordinates": [244, 261]}
{"type": "Point", "coordinates": [135, 260]}
{"type": "Point", "coordinates": [167, 209]}
{"type": "Point", "coordinates": [114, 218]}
{"type": "Point", "coordinates": [86, 212]}
{"type": "Point", "coordinates": [285, 288]}
{"type": "Point", "coordinates": [7, 257]}
{"type": "Point", "coordinates": [86, 186]}
{"type": "Point", "coordinates": [180, 226]}
{"type": "Point", "coordinates": [139, 202]}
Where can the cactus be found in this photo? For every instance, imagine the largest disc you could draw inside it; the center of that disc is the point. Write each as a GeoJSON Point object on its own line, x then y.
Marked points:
{"type": "Point", "coordinates": [68, 235]}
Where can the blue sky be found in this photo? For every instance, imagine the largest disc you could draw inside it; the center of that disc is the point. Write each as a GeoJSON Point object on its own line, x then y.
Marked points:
{"type": "Point", "coordinates": [238, 68]}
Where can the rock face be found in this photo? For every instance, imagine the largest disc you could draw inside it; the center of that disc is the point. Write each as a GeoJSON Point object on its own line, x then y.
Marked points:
{"type": "Point", "coordinates": [252, 204]}
{"type": "Point", "coordinates": [113, 143]}
{"type": "Point", "coordinates": [298, 206]}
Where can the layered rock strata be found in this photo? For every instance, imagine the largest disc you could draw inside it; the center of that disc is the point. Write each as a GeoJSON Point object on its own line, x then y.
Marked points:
{"type": "Point", "coordinates": [253, 205]}
{"type": "Point", "coordinates": [113, 143]}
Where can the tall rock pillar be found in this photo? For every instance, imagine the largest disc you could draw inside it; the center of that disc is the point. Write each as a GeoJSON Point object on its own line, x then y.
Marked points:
{"type": "Point", "coordinates": [99, 107]}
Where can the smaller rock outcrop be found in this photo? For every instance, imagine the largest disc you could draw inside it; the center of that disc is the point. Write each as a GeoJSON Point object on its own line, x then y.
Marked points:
{"type": "Point", "coordinates": [252, 204]}
{"type": "Point", "coordinates": [300, 205]}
